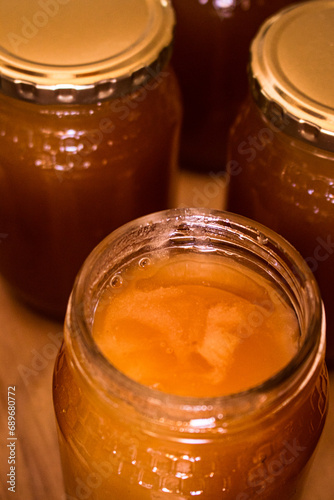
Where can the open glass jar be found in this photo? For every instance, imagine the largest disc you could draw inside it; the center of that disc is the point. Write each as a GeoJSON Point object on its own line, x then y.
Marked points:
{"type": "Point", "coordinates": [121, 439]}
{"type": "Point", "coordinates": [281, 150]}
{"type": "Point", "coordinates": [90, 115]}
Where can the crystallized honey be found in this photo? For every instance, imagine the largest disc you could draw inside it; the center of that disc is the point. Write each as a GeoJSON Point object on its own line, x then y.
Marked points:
{"type": "Point", "coordinates": [196, 327]}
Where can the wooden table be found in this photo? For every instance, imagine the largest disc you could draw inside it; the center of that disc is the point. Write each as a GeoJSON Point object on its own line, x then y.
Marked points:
{"type": "Point", "coordinates": [29, 344]}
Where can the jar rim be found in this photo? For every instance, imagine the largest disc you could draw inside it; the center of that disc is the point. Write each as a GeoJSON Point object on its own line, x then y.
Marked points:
{"type": "Point", "coordinates": [298, 371]}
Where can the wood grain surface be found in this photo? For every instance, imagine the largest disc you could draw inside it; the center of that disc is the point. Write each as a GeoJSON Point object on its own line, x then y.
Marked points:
{"type": "Point", "coordinates": [28, 347]}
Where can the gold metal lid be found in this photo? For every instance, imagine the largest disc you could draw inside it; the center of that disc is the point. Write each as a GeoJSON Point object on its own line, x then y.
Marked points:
{"type": "Point", "coordinates": [292, 71]}
{"type": "Point", "coordinates": [68, 51]}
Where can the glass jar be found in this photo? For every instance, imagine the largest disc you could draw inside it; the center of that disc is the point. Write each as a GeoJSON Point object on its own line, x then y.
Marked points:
{"type": "Point", "coordinates": [210, 56]}
{"type": "Point", "coordinates": [89, 129]}
{"type": "Point", "coordinates": [281, 151]}
{"type": "Point", "coordinates": [121, 439]}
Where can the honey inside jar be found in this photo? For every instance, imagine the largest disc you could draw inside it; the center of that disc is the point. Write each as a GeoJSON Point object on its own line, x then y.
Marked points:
{"type": "Point", "coordinates": [212, 41]}
{"type": "Point", "coordinates": [72, 174]}
{"type": "Point", "coordinates": [89, 132]}
{"type": "Point", "coordinates": [195, 326]}
{"type": "Point", "coordinates": [281, 144]}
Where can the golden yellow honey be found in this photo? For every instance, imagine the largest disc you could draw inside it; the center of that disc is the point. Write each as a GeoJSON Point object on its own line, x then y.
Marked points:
{"type": "Point", "coordinates": [192, 326]}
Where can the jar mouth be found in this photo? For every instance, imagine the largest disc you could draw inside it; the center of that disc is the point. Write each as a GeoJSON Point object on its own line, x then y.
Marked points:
{"type": "Point", "coordinates": [200, 228]}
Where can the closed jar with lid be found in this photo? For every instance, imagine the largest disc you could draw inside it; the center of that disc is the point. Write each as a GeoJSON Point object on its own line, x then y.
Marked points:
{"type": "Point", "coordinates": [281, 150]}
{"type": "Point", "coordinates": [90, 115]}
{"type": "Point", "coordinates": [210, 57]}
{"type": "Point", "coordinates": [122, 439]}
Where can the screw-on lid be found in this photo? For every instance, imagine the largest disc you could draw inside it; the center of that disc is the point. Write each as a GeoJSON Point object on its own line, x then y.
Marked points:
{"type": "Point", "coordinates": [68, 51]}
{"type": "Point", "coordinates": [292, 71]}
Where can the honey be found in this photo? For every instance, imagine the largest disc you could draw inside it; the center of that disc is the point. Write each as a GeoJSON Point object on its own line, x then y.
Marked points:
{"type": "Point", "coordinates": [88, 136]}
{"type": "Point", "coordinates": [135, 425]}
{"type": "Point", "coordinates": [72, 174]}
{"type": "Point", "coordinates": [195, 327]}
{"type": "Point", "coordinates": [210, 58]}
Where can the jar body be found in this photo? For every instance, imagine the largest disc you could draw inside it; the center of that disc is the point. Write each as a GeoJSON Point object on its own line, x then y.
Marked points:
{"type": "Point", "coordinates": [121, 439]}
{"type": "Point", "coordinates": [70, 174]}
{"type": "Point", "coordinates": [105, 455]}
{"type": "Point", "coordinates": [210, 59]}
{"type": "Point", "coordinates": [287, 185]}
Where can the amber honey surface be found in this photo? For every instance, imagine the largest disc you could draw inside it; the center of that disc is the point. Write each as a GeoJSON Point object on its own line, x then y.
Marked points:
{"type": "Point", "coordinates": [192, 327]}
